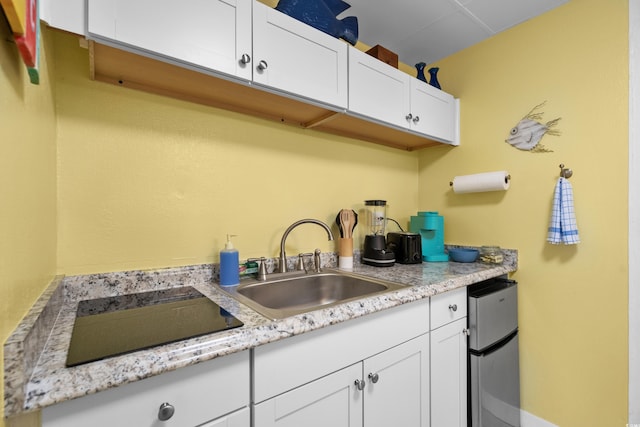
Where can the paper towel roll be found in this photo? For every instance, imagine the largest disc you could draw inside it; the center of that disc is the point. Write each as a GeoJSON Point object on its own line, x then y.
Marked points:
{"type": "Point", "coordinates": [489, 181]}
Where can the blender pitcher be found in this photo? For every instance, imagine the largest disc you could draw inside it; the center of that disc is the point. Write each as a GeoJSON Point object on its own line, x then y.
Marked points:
{"type": "Point", "coordinates": [375, 244]}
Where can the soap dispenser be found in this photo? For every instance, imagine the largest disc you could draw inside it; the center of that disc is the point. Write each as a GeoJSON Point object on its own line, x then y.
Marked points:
{"type": "Point", "coordinates": [229, 264]}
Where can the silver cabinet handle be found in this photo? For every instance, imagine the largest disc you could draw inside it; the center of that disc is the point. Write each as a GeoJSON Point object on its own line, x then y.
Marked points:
{"type": "Point", "coordinates": [262, 65]}
{"type": "Point", "coordinates": [374, 377]}
{"type": "Point", "coordinates": [359, 384]}
{"type": "Point", "coordinates": [416, 119]}
{"type": "Point", "coordinates": [245, 59]}
{"type": "Point", "coordinates": [466, 332]}
{"type": "Point", "coordinates": [409, 116]}
{"type": "Point", "coordinates": [453, 307]}
{"type": "Point", "coordinates": [166, 411]}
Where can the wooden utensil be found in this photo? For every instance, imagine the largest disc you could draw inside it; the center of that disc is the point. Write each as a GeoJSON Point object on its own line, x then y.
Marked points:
{"type": "Point", "coordinates": [346, 220]}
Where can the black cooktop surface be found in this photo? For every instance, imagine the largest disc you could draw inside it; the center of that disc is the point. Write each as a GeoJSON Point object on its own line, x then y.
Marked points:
{"type": "Point", "coordinates": [112, 326]}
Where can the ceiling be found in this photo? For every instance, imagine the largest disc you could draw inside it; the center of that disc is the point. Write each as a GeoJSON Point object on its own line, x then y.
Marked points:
{"type": "Point", "coordinates": [429, 30]}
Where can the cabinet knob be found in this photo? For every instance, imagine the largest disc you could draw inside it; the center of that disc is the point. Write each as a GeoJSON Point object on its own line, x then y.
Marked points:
{"type": "Point", "coordinates": [466, 332]}
{"type": "Point", "coordinates": [416, 119]}
{"type": "Point", "coordinates": [453, 307]}
{"type": "Point", "coordinates": [262, 65]}
{"type": "Point", "coordinates": [245, 59]}
{"type": "Point", "coordinates": [359, 384]}
{"type": "Point", "coordinates": [166, 411]}
{"type": "Point", "coordinates": [409, 116]}
{"type": "Point", "coordinates": [374, 377]}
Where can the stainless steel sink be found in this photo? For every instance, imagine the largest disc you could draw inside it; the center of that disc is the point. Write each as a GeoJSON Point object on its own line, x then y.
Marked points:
{"type": "Point", "coordinates": [287, 296]}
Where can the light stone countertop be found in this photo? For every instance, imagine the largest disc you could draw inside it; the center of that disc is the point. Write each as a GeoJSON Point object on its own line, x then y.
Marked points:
{"type": "Point", "coordinates": [35, 354]}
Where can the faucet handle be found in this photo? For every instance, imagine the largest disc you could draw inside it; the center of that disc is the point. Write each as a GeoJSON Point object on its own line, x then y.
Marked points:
{"type": "Point", "coordinates": [300, 265]}
{"type": "Point", "coordinates": [262, 268]}
{"type": "Point", "coordinates": [317, 262]}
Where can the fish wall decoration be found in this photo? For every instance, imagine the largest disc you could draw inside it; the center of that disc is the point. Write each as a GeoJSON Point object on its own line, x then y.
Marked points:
{"type": "Point", "coordinates": [526, 135]}
{"type": "Point", "coordinates": [321, 14]}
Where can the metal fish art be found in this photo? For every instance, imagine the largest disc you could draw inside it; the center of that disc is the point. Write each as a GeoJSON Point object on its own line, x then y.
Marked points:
{"type": "Point", "coordinates": [321, 14]}
{"type": "Point", "coordinates": [526, 135]}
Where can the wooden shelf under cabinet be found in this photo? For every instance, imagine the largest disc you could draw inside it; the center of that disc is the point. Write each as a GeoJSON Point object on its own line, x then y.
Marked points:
{"type": "Point", "coordinates": [130, 70]}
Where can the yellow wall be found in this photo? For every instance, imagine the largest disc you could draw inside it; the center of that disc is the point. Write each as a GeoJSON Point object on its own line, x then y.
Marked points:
{"type": "Point", "coordinates": [146, 181]}
{"type": "Point", "coordinates": [573, 299]}
{"type": "Point", "coordinates": [27, 186]}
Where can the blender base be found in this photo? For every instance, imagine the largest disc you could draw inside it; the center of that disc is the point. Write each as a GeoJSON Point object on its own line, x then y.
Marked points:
{"type": "Point", "coordinates": [380, 262]}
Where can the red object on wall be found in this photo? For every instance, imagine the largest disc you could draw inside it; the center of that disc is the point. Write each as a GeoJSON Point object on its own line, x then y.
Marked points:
{"type": "Point", "coordinates": [27, 41]}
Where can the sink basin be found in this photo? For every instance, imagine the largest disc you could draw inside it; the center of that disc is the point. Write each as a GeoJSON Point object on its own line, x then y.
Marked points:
{"type": "Point", "coordinates": [286, 296]}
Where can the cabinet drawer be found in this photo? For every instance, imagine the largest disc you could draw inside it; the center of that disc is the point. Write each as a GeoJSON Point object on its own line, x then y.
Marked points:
{"type": "Point", "coordinates": [198, 393]}
{"type": "Point", "coordinates": [448, 306]}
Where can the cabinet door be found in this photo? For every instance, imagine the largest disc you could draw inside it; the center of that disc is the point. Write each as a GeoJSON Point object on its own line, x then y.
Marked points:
{"type": "Point", "coordinates": [68, 15]}
{"type": "Point", "coordinates": [297, 59]}
{"type": "Point", "coordinates": [329, 401]}
{"type": "Point", "coordinates": [449, 375]}
{"type": "Point", "coordinates": [241, 418]}
{"type": "Point", "coordinates": [397, 386]}
{"type": "Point", "coordinates": [377, 90]}
{"type": "Point", "coordinates": [434, 112]}
{"type": "Point", "coordinates": [211, 34]}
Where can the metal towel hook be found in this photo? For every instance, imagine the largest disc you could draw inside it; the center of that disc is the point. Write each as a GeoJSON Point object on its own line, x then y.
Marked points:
{"type": "Point", "coordinates": [565, 172]}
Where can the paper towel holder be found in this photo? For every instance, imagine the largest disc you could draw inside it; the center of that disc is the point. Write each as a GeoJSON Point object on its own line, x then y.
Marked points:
{"type": "Point", "coordinates": [507, 178]}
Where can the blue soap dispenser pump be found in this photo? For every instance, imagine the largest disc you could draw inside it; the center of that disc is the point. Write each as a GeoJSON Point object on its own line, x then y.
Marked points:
{"type": "Point", "coordinates": [229, 264]}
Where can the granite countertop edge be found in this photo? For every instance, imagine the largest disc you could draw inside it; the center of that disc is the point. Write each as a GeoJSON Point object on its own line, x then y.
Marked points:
{"type": "Point", "coordinates": [35, 372]}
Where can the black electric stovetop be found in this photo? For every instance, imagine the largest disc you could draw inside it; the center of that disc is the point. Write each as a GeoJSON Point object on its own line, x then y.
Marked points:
{"type": "Point", "coordinates": [112, 326]}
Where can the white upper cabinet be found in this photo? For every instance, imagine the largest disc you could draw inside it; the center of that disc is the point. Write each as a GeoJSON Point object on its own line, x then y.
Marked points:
{"type": "Point", "coordinates": [304, 74]}
{"type": "Point", "coordinates": [294, 57]}
{"type": "Point", "coordinates": [434, 112]}
{"type": "Point", "coordinates": [68, 15]}
{"type": "Point", "coordinates": [377, 90]}
{"type": "Point", "coordinates": [382, 93]}
{"type": "Point", "coordinates": [209, 34]}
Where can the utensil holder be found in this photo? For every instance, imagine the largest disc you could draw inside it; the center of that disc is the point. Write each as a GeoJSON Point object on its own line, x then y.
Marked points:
{"type": "Point", "coordinates": [345, 253]}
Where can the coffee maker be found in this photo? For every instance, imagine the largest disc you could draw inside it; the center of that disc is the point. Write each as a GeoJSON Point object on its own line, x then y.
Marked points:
{"type": "Point", "coordinates": [375, 251]}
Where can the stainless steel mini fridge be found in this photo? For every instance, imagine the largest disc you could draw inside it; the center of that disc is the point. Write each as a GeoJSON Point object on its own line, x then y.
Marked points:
{"type": "Point", "coordinates": [494, 373]}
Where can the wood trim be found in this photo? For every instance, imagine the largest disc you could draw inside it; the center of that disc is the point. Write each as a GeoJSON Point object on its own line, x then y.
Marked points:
{"type": "Point", "coordinates": [134, 71]}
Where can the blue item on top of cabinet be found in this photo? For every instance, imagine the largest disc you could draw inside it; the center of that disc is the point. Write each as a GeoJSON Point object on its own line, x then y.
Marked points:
{"type": "Point", "coordinates": [229, 264]}
{"type": "Point", "coordinates": [321, 14]}
{"type": "Point", "coordinates": [420, 75]}
{"type": "Point", "coordinates": [430, 226]}
{"type": "Point", "coordinates": [433, 80]}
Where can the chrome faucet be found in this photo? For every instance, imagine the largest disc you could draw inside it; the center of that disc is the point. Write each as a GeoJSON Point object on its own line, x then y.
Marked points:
{"type": "Point", "coordinates": [282, 268]}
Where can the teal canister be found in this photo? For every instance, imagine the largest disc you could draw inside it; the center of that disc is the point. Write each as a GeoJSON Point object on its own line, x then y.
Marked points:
{"type": "Point", "coordinates": [430, 226]}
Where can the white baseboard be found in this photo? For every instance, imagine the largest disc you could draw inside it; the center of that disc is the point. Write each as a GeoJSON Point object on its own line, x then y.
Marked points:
{"type": "Point", "coordinates": [530, 420]}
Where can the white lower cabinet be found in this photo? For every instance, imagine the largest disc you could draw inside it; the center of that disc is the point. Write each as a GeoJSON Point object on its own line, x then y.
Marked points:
{"type": "Point", "coordinates": [333, 400]}
{"type": "Point", "coordinates": [372, 371]}
{"type": "Point", "coordinates": [390, 388]}
{"type": "Point", "coordinates": [241, 418]}
{"type": "Point", "coordinates": [397, 386]}
{"type": "Point", "coordinates": [212, 393]}
{"type": "Point", "coordinates": [449, 359]}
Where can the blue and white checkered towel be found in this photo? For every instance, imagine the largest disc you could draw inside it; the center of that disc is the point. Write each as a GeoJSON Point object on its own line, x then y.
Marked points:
{"type": "Point", "coordinates": [563, 228]}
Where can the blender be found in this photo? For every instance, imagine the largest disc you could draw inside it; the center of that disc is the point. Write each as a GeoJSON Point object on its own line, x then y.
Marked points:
{"type": "Point", "coordinates": [375, 244]}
